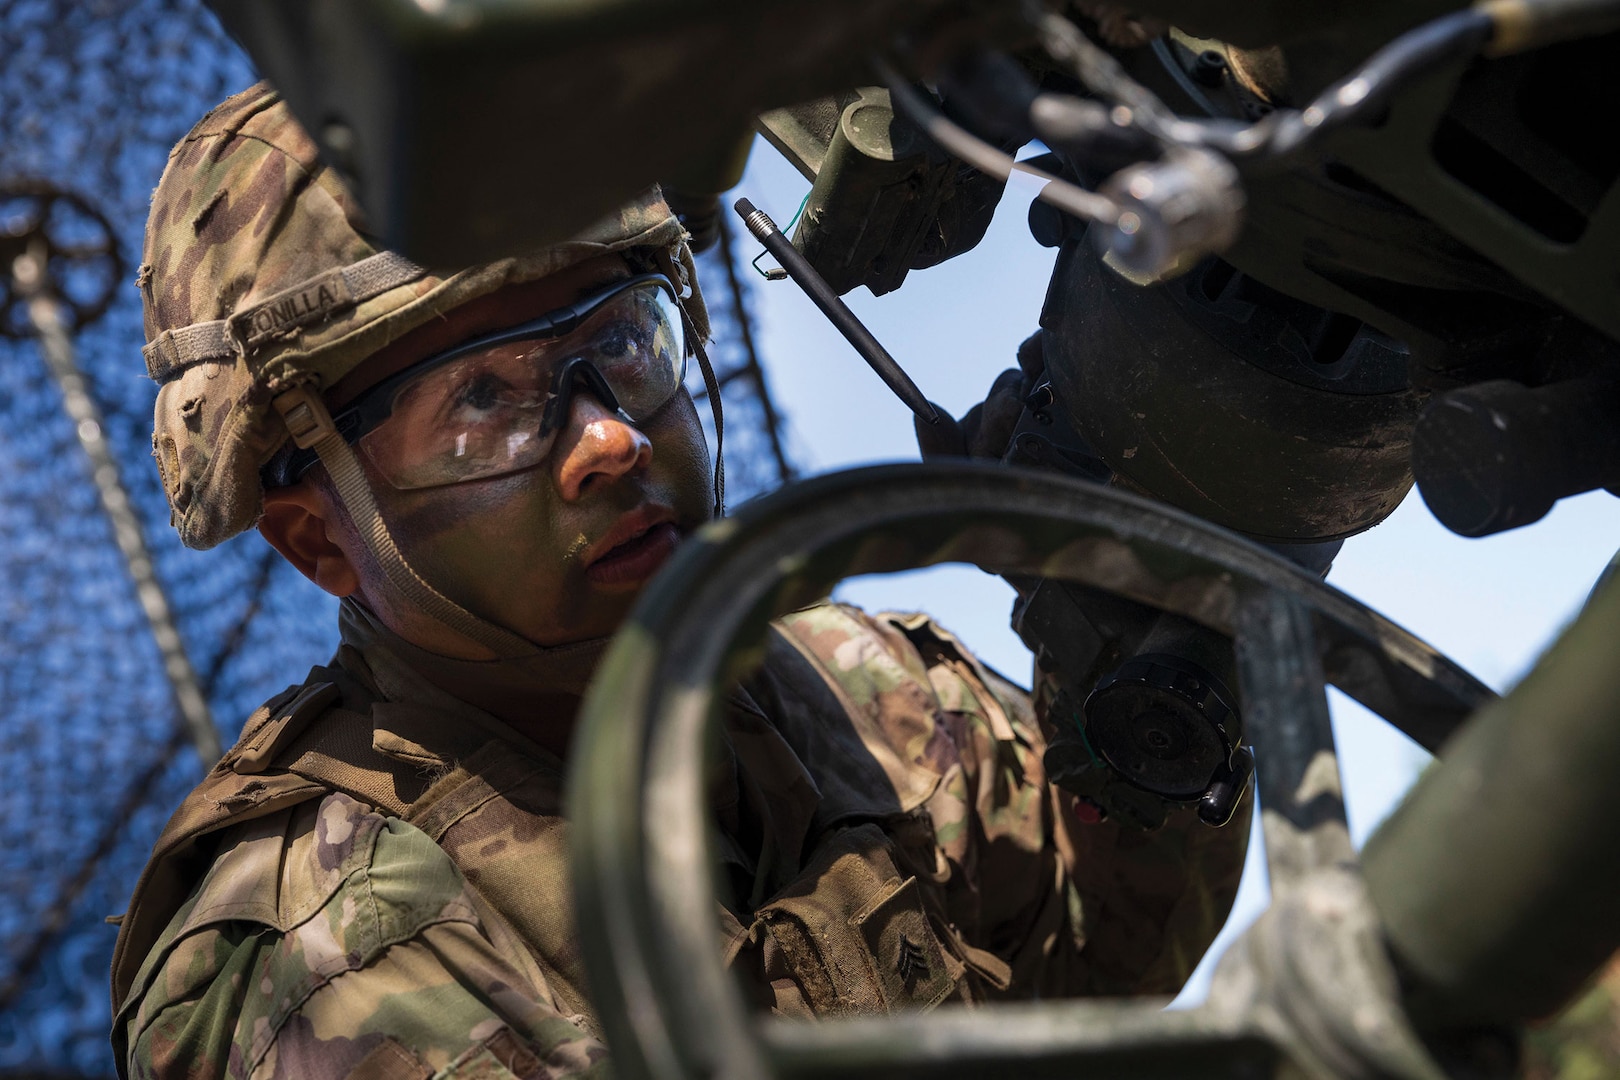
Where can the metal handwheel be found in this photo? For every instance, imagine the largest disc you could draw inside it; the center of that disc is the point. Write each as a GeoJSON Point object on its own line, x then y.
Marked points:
{"type": "Point", "coordinates": [75, 240]}
{"type": "Point", "coordinates": [642, 852]}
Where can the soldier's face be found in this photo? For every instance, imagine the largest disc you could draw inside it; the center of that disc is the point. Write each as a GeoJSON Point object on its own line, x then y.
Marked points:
{"type": "Point", "coordinates": [556, 552]}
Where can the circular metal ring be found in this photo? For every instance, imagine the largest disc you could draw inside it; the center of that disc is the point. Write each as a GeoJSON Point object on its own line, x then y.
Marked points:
{"type": "Point", "coordinates": [641, 848]}
{"type": "Point", "coordinates": [80, 247]}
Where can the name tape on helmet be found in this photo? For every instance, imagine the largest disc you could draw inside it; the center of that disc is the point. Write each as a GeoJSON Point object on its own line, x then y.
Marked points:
{"type": "Point", "coordinates": [173, 351]}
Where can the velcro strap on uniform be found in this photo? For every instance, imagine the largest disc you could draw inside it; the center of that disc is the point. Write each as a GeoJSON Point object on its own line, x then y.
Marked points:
{"type": "Point", "coordinates": [173, 351]}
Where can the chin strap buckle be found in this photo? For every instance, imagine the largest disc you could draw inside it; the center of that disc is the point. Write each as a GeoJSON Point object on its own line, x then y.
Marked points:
{"type": "Point", "coordinates": [306, 415]}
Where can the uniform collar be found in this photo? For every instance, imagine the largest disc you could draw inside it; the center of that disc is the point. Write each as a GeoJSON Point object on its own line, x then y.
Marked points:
{"type": "Point", "coordinates": [763, 795]}
{"type": "Point", "coordinates": [429, 706]}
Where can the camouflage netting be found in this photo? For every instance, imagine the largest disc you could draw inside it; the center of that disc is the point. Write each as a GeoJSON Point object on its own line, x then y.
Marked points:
{"type": "Point", "coordinates": [93, 93]}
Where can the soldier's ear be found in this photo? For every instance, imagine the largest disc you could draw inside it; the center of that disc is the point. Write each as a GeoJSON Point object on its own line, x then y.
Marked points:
{"type": "Point", "coordinates": [300, 522]}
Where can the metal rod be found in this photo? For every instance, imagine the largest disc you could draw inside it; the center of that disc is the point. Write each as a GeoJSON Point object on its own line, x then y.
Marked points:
{"type": "Point", "coordinates": [1285, 711]}
{"type": "Point", "coordinates": [837, 312]}
{"type": "Point", "coordinates": [753, 368]}
{"type": "Point", "coordinates": [29, 276]}
{"type": "Point", "coordinates": [1035, 1040]}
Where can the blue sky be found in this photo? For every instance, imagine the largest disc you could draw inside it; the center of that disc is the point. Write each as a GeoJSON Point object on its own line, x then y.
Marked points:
{"type": "Point", "coordinates": [1493, 605]}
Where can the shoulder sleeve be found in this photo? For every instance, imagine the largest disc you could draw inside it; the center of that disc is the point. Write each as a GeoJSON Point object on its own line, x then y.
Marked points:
{"type": "Point", "coordinates": [1071, 907]}
{"type": "Point", "coordinates": [398, 971]}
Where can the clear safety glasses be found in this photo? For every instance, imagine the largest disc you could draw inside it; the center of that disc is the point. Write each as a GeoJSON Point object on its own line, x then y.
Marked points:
{"type": "Point", "coordinates": [494, 405]}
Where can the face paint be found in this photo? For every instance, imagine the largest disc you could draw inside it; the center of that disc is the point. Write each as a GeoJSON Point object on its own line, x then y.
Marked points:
{"type": "Point", "coordinates": [515, 548]}
{"type": "Point", "coordinates": [517, 551]}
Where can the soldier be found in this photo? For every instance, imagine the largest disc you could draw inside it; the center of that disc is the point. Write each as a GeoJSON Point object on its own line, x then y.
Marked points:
{"type": "Point", "coordinates": [486, 466]}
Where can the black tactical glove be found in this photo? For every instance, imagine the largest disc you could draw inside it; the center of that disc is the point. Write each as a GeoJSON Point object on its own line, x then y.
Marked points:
{"type": "Point", "coordinates": [985, 430]}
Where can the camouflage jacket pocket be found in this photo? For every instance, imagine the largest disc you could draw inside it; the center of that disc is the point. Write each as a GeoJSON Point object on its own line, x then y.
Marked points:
{"type": "Point", "coordinates": [855, 936]}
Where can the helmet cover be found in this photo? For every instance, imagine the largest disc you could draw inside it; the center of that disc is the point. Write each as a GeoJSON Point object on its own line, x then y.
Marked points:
{"type": "Point", "coordinates": [258, 275]}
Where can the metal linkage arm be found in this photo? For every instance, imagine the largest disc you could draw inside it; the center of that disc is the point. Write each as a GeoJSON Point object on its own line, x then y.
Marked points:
{"type": "Point", "coordinates": [1285, 695]}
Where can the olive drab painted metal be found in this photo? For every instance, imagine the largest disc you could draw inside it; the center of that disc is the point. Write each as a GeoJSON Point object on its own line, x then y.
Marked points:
{"type": "Point", "coordinates": [884, 200]}
{"type": "Point", "coordinates": [1495, 879]}
{"type": "Point", "coordinates": [638, 808]}
{"type": "Point", "coordinates": [259, 275]}
{"type": "Point", "coordinates": [627, 94]}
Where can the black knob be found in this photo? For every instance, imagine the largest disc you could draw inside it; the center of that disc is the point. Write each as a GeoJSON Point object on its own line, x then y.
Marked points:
{"type": "Point", "coordinates": [1497, 455]}
{"type": "Point", "coordinates": [1225, 791]}
{"type": "Point", "coordinates": [1164, 723]}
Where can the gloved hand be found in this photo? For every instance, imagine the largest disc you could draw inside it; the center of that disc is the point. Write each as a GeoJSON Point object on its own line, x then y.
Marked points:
{"type": "Point", "coordinates": [985, 430]}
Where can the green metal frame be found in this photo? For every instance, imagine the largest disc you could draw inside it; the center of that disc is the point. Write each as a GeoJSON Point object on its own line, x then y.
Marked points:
{"type": "Point", "coordinates": [641, 842]}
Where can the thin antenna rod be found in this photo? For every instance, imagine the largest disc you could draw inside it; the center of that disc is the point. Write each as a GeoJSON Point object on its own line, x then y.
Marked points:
{"type": "Point", "coordinates": [822, 295]}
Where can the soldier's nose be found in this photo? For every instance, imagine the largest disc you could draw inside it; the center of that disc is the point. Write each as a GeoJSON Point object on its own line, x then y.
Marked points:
{"type": "Point", "coordinates": [596, 447]}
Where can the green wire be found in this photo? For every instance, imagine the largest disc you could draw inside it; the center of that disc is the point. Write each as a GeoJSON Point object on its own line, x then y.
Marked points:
{"type": "Point", "coordinates": [804, 202]}
{"type": "Point", "coordinates": [788, 231]}
{"type": "Point", "coordinates": [1085, 741]}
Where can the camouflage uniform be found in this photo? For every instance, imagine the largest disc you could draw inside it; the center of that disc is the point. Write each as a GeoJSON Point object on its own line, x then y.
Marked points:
{"type": "Point", "coordinates": [373, 881]}
{"type": "Point", "coordinates": [375, 877]}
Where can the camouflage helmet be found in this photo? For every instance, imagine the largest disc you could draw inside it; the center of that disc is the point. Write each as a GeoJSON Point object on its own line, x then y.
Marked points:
{"type": "Point", "coordinates": [258, 278]}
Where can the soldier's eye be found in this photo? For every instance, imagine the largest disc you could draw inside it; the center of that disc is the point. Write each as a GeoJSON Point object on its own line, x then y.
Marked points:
{"type": "Point", "coordinates": [618, 338]}
{"type": "Point", "coordinates": [482, 392]}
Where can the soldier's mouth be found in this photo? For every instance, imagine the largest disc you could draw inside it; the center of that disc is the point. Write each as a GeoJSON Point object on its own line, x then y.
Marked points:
{"type": "Point", "coordinates": [637, 558]}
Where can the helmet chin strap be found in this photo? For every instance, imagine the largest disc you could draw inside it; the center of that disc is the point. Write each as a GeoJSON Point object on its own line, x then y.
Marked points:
{"type": "Point", "coordinates": [311, 427]}
{"type": "Point", "coordinates": [310, 424]}
{"type": "Point", "coordinates": [712, 385]}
